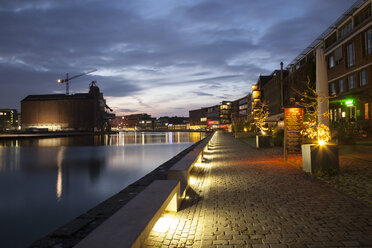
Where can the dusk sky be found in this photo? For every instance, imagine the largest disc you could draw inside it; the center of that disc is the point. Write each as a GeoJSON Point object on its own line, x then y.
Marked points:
{"type": "Point", "coordinates": [161, 57]}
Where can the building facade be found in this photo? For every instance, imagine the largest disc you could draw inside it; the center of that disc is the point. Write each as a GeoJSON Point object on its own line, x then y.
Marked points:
{"type": "Point", "coordinates": [8, 119]}
{"type": "Point", "coordinates": [60, 112]}
{"type": "Point", "coordinates": [348, 52]}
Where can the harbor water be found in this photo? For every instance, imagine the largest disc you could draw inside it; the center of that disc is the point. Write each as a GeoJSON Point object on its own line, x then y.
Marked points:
{"type": "Point", "coordinates": [46, 182]}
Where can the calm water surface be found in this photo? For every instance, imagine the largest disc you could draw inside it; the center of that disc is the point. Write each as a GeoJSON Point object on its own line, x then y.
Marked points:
{"type": "Point", "coordinates": [44, 183]}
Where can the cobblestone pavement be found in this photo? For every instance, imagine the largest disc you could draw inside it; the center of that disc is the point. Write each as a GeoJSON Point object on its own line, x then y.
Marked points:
{"type": "Point", "coordinates": [246, 197]}
{"type": "Point", "coordinates": [355, 177]}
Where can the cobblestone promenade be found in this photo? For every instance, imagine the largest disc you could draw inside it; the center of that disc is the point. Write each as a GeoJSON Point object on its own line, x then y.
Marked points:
{"type": "Point", "coordinates": [244, 197]}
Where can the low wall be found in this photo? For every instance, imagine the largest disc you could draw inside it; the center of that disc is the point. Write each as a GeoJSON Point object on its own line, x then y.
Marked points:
{"type": "Point", "coordinates": [74, 231]}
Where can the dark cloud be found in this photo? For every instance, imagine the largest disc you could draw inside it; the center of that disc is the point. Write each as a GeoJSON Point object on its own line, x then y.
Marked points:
{"type": "Point", "coordinates": [202, 93]}
{"type": "Point", "coordinates": [128, 110]}
{"type": "Point", "coordinates": [211, 44]}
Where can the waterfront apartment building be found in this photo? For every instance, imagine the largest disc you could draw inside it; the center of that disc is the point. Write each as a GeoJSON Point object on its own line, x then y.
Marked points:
{"type": "Point", "coordinates": [139, 122]}
{"type": "Point", "coordinates": [213, 117]}
{"type": "Point", "coordinates": [60, 112]}
{"type": "Point", "coordinates": [348, 52]}
{"type": "Point", "coordinates": [347, 45]}
{"type": "Point", "coordinates": [8, 119]}
{"type": "Point", "coordinates": [198, 119]}
{"type": "Point", "coordinates": [241, 108]}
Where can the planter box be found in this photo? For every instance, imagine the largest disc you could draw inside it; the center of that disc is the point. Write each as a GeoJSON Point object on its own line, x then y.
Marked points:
{"type": "Point", "coordinates": [262, 141]}
{"type": "Point", "coordinates": [322, 159]}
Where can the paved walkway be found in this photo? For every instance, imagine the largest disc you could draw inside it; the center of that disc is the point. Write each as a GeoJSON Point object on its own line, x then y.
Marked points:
{"type": "Point", "coordinates": [246, 197]}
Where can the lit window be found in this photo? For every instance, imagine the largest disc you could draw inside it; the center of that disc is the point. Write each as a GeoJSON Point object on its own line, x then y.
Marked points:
{"type": "Point", "coordinates": [366, 111]}
{"type": "Point", "coordinates": [368, 39]}
{"type": "Point", "coordinates": [343, 114]}
{"type": "Point", "coordinates": [352, 81]}
{"type": "Point", "coordinates": [363, 77]}
{"type": "Point", "coordinates": [341, 85]}
{"type": "Point", "coordinates": [331, 61]}
{"type": "Point", "coordinates": [331, 115]}
{"type": "Point", "coordinates": [350, 55]}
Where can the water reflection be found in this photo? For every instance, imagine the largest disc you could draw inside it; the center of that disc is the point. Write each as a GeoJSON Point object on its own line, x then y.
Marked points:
{"type": "Point", "coordinates": [120, 139]}
{"type": "Point", "coordinates": [51, 181]}
{"type": "Point", "coordinates": [59, 173]}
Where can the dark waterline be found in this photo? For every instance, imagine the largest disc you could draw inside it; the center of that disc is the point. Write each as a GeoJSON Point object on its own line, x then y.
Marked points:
{"type": "Point", "coordinates": [44, 183]}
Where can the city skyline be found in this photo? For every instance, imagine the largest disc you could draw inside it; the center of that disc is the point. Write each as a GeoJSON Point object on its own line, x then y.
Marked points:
{"type": "Point", "coordinates": [160, 58]}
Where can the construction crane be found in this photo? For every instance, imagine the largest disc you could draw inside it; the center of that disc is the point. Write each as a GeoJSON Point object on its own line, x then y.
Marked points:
{"type": "Point", "coordinates": [67, 79]}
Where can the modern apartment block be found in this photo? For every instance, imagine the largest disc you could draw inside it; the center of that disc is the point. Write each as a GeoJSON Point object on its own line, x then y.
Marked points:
{"type": "Point", "coordinates": [241, 108]}
{"type": "Point", "coordinates": [8, 119]}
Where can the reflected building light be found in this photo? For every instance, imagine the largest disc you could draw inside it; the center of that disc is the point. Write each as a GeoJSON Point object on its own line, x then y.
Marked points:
{"type": "Point", "coordinates": [170, 137]}
{"type": "Point", "coordinates": [122, 139]}
{"type": "Point", "coordinates": [143, 138]}
{"type": "Point", "coordinates": [59, 184]}
{"type": "Point", "coordinates": [178, 137]}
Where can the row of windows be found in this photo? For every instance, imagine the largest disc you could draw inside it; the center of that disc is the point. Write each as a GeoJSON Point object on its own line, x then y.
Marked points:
{"type": "Point", "coordinates": [351, 83]}
{"type": "Point", "coordinates": [350, 113]}
{"type": "Point", "coordinates": [350, 53]}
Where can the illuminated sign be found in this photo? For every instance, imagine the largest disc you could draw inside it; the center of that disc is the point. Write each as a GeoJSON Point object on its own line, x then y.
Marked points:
{"type": "Point", "coordinates": [349, 102]}
{"type": "Point", "coordinates": [203, 119]}
{"type": "Point", "coordinates": [293, 123]}
{"type": "Point", "coordinates": [210, 122]}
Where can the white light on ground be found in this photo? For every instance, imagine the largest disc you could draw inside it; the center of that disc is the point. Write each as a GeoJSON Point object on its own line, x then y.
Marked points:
{"type": "Point", "coordinates": [163, 224]}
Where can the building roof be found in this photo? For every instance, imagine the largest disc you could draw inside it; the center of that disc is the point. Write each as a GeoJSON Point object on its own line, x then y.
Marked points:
{"type": "Point", "coordinates": [349, 12]}
{"type": "Point", "coordinates": [262, 80]}
{"type": "Point", "coordinates": [50, 97]}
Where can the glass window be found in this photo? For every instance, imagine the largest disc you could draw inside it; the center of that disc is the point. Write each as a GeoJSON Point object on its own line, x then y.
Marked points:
{"type": "Point", "coordinates": [345, 30]}
{"type": "Point", "coordinates": [341, 85]}
{"type": "Point", "coordinates": [335, 114]}
{"type": "Point", "coordinates": [332, 89]}
{"type": "Point", "coordinates": [368, 42]}
{"type": "Point", "coordinates": [331, 61]}
{"type": "Point", "coordinates": [352, 81]}
{"type": "Point", "coordinates": [363, 77]}
{"type": "Point", "coordinates": [350, 55]}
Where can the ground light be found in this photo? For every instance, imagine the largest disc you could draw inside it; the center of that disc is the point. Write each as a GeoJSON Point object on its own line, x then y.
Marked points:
{"type": "Point", "coordinates": [164, 222]}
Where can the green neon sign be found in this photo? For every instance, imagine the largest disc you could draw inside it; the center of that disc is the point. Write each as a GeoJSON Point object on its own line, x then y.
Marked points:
{"type": "Point", "coordinates": [349, 102]}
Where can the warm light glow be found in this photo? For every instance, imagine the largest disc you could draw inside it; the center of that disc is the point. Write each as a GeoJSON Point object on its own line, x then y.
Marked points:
{"type": "Point", "coordinates": [245, 130]}
{"type": "Point", "coordinates": [321, 142]}
{"type": "Point", "coordinates": [164, 222]}
{"type": "Point", "coordinates": [59, 182]}
{"type": "Point", "coordinates": [192, 180]}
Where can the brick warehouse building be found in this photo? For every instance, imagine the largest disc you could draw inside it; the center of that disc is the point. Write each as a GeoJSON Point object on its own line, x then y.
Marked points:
{"type": "Point", "coordinates": [55, 112]}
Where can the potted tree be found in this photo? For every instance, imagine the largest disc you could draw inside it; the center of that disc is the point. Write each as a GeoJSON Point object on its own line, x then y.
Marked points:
{"type": "Point", "coordinates": [319, 156]}
{"type": "Point", "coordinates": [261, 113]}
